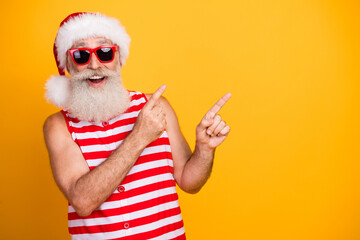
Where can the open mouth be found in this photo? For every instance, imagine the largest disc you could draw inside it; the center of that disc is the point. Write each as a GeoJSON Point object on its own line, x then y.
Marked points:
{"type": "Point", "coordinates": [96, 79]}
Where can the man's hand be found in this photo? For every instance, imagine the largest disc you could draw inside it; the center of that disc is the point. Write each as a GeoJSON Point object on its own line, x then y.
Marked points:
{"type": "Point", "coordinates": [212, 130]}
{"type": "Point", "coordinates": [151, 121]}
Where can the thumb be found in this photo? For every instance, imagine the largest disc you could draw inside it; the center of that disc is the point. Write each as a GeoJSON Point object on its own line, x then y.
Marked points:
{"type": "Point", "coordinates": [206, 122]}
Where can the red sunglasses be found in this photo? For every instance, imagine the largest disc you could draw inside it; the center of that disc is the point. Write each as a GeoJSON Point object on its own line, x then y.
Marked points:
{"type": "Point", "coordinates": [82, 56]}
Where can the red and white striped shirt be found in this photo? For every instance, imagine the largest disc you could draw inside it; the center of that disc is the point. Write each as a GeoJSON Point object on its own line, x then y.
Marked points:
{"type": "Point", "coordinates": [145, 205]}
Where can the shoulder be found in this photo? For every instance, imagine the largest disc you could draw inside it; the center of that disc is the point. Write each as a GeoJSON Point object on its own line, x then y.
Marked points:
{"type": "Point", "coordinates": [165, 104]}
{"type": "Point", "coordinates": [53, 120]}
{"type": "Point", "coordinates": [162, 99]}
{"type": "Point", "coordinates": [55, 123]}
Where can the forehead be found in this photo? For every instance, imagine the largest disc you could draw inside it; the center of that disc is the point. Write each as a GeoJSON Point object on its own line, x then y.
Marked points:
{"type": "Point", "coordinates": [92, 42]}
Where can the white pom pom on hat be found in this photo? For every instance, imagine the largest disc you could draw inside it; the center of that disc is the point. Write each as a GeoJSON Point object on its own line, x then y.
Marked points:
{"type": "Point", "coordinates": [75, 27]}
{"type": "Point", "coordinates": [58, 90]}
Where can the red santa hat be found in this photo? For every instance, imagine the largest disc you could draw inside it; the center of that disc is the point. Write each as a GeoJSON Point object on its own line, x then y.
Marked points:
{"type": "Point", "coordinates": [75, 27]}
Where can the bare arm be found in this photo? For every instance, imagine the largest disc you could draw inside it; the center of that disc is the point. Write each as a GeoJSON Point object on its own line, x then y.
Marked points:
{"type": "Point", "coordinates": [85, 189]}
{"type": "Point", "coordinates": [192, 169]}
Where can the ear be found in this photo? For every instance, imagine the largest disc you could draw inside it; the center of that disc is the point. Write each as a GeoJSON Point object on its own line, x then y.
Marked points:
{"type": "Point", "coordinates": [119, 59]}
{"type": "Point", "coordinates": [68, 59]}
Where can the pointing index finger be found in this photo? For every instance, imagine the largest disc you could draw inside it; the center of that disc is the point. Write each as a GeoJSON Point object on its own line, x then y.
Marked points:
{"type": "Point", "coordinates": [218, 105]}
{"type": "Point", "coordinates": [156, 95]}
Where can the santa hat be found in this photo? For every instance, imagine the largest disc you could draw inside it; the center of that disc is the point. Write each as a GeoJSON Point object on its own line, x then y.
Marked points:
{"type": "Point", "coordinates": [75, 27]}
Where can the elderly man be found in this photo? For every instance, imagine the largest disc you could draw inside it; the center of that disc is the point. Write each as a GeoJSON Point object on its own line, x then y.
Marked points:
{"type": "Point", "coordinates": [109, 151]}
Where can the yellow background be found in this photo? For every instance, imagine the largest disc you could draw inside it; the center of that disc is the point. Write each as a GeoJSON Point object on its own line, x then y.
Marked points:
{"type": "Point", "coordinates": [290, 167]}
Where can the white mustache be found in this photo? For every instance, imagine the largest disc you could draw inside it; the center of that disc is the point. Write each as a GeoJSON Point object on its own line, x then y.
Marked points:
{"type": "Point", "coordinates": [88, 73]}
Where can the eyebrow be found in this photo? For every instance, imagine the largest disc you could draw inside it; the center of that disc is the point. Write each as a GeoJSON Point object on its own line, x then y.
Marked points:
{"type": "Point", "coordinates": [100, 42]}
{"type": "Point", "coordinates": [103, 42]}
{"type": "Point", "coordinates": [80, 44]}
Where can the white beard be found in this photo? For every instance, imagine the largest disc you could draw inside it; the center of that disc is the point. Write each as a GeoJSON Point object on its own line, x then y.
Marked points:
{"type": "Point", "coordinates": [98, 104]}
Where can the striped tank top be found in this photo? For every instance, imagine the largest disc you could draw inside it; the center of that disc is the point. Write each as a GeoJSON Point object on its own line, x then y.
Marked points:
{"type": "Point", "coordinates": [145, 204]}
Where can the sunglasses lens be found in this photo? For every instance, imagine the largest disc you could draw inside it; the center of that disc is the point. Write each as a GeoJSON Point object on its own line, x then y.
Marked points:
{"type": "Point", "coordinates": [105, 54]}
{"type": "Point", "coordinates": [81, 56]}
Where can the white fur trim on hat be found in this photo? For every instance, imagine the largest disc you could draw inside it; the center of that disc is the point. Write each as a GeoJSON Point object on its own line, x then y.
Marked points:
{"type": "Point", "coordinates": [58, 90]}
{"type": "Point", "coordinates": [91, 25]}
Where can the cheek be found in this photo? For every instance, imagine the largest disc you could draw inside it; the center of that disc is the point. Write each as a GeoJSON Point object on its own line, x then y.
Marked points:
{"type": "Point", "coordinates": [113, 65]}
{"type": "Point", "coordinates": [76, 68]}
{"type": "Point", "coordinates": [72, 67]}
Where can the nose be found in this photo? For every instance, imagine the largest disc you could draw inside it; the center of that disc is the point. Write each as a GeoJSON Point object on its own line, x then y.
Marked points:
{"type": "Point", "coordinates": [94, 62]}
